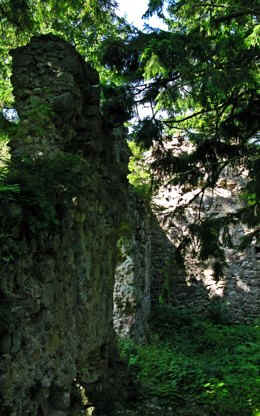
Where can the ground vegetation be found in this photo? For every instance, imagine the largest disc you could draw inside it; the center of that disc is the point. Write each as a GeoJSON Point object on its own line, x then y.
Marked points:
{"type": "Point", "coordinates": [195, 367]}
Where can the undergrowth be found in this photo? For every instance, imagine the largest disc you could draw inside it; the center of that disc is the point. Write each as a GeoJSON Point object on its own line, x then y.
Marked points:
{"type": "Point", "coordinates": [198, 367]}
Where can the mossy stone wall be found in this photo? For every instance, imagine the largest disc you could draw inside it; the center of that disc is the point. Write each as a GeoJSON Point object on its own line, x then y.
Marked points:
{"type": "Point", "coordinates": [58, 238]}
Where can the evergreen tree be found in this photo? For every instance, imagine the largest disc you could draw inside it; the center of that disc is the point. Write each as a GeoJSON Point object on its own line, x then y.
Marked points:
{"type": "Point", "coordinates": [201, 77]}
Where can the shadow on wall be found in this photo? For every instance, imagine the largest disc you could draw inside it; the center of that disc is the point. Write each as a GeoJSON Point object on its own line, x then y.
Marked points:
{"type": "Point", "coordinates": [183, 280]}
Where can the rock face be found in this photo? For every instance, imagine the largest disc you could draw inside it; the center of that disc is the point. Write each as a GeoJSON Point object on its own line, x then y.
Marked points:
{"type": "Point", "coordinates": [192, 281]}
{"type": "Point", "coordinates": [59, 238]}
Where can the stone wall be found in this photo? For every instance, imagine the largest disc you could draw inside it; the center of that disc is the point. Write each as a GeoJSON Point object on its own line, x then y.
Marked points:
{"type": "Point", "coordinates": [132, 300]}
{"type": "Point", "coordinates": [194, 282]}
{"type": "Point", "coordinates": [74, 228]}
{"type": "Point", "coordinates": [59, 238]}
{"type": "Point", "coordinates": [153, 269]}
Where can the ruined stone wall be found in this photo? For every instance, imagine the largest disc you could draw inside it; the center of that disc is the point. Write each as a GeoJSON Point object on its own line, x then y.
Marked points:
{"type": "Point", "coordinates": [195, 283]}
{"type": "Point", "coordinates": [58, 238]}
{"type": "Point", "coordinates": [72, 228]}
{"type": "Point", "coordinates": [132, 299]}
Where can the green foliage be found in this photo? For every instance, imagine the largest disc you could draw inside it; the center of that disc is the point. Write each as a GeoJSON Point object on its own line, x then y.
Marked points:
{"type": "Point", "coordinates": [192, 363]}
{"type": "Point", "coordinates": [216, 101]}
{"type": "Point", "coordinates": [139, 176]}
{"type": "Point", "coordinates": [4, 186]}
{"type": "Point", "coordinates": [161, 373]}
{"type": "Point", "coordinates": [201, 78]}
